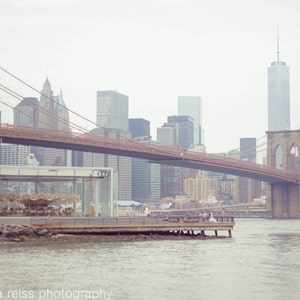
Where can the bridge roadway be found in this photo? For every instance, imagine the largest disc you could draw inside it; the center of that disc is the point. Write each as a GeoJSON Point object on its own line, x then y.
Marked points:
{"type": "Point", "coordinates": [170, 155]}
{"type": "Point", "coordinates": [125, 225]}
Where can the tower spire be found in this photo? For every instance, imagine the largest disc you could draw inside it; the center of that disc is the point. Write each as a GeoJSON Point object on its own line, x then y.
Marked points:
{"type": "Point", "coordinates": [277, 44]}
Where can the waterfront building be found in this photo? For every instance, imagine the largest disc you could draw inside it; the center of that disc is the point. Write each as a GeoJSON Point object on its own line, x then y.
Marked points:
{"type": "Point", "coordinates": [202, 189]}
{"type": "Point", "coordinates": [278, 95]}
{"type": "Point", "coordinates": [87, 191]}
{"type": "Point", "coordinates": [192, 106]}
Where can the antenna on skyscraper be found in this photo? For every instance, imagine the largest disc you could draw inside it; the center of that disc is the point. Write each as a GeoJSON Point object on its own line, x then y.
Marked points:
{"type": "Point", "coordinates": [277, 44]}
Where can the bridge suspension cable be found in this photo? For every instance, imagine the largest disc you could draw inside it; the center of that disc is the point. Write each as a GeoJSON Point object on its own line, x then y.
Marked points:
{"type": "Point", "coordinates": [72, 125]}
{"type": "Point", "coordinates": [259, 148]}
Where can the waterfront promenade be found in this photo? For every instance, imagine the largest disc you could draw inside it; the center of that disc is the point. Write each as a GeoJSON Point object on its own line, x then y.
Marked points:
{"type": "Point", "coordinates": [125, 225]}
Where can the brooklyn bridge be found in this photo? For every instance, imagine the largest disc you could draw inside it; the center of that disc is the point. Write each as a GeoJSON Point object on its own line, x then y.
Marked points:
{"type": "Point", "coordinates": [280, 171]}
{"type": "Point", "coordinates": [283, 199]}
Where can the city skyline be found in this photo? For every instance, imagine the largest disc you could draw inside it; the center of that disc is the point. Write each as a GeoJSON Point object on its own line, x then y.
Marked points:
{"type": "Point", "coordinates": [217, 51]}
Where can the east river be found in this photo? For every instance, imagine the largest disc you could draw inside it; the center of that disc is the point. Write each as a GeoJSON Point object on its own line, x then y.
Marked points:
{"type": "Point", "coordinates": [260, 261]}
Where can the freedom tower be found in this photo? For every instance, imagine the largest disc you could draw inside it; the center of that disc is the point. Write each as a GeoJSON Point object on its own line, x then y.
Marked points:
{"type": "Point", "coordinates": [278, 95]}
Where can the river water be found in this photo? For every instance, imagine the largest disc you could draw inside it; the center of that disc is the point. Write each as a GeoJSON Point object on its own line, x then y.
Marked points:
{"type": "Point", "coordinates": [260, 261]}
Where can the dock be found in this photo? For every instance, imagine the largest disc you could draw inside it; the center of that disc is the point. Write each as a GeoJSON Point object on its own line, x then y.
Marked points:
{"type": "Point", "coordinates": [135, 225]}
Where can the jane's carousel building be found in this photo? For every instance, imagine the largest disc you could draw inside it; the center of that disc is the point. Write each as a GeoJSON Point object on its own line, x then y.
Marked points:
{"type": "Point", "coordinates": [57, 191]}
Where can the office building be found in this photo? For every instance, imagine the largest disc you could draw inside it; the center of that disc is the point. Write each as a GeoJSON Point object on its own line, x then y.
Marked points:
{"type": "Point", "coordinates": [192, 106]}
{"type": "Point", "coordinates": [248, 149]}
{"type": "Point", "coordinates": [177, 131]}
{"type": "Point", "coordinates": [53, 115]}
{"type": "Point", "coordinates": [183, 130]}
{"type": "Point", "coordinates": [166, 135]}
{"type": "Point", "coordinates": [145, 175]}
{"type": "Point", "coordinates": [112, 119]}
{"type": "Point", "coordinates": [139, 128]}
{"type": "Point", "coordinates": [202, 189]}
{"type": "Point", "coordinates": [47, 114]}
{"type": "Point", "coordinates": [247, 189]}
{"type": "Point", "coordinates": [145, 179]}
{"type": "Point", "coordinates": [112, 110]}
{"type": "Point", "coordinates": [63, 122]}
{"type": "Point", "coordinates": [278, 95]}
{"type": "Point", "coordinates": [14, 154]}
{"type": "Point", "coordinates": [26, 112]}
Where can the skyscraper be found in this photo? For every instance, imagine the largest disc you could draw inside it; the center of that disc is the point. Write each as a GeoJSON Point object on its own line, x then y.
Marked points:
{"type": "Point", "coordinates": [53, 115]}
{"type": "Point", "coordinates": [183, 129]}
{"type": "Point", "coordinates": [145, 175]}
{"type": "Point", "coordinates": [112, 114]}
{"type": "Point", "coordinates": [177, 131]}
{"type": "Point", "coordinates": [139, 128]}
{"type": "Point", "coordinates": [26, 113]}
{"type": "Point", "coordinates": [63, 122]}
{"type": "Point", "coordinates": [278, 95]}
{"type": "Point", "coordinates": [192, 106]}
{"type": "Point", "coordinates": [247, 189]}
{"type": "Point", "coordinates": [46, 113]}
{"type": "Point", "coordinates": [14, 154]}
{"type": "Point", "coordinates": [248, 149]}
{"type": "Point", "coordinates": [165, 135]}
{"type": "Point", "coordinates": [112, 110]}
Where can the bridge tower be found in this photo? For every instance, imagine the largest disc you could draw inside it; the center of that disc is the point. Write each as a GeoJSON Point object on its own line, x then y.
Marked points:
{"type": "Point", "coordinates": [283, 199]}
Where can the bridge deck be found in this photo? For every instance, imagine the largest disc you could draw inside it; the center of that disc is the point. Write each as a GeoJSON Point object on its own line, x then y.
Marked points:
{"type": "Point", "coordinates": [89, 142]}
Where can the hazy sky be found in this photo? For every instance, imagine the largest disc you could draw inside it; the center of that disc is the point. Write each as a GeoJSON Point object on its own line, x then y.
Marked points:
{"type": "Point", "coordinates": [154, 51]}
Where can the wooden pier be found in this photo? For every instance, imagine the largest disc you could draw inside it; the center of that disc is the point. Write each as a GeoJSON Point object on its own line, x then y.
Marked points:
{"type": "Point", "coordinates": [137, 225]}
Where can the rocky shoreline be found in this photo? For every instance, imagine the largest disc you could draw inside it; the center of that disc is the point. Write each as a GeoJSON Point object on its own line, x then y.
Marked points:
{"type": "Point", "coordinates": [21, 233]}
{"type": "Point", "coordinates": [24, 233]}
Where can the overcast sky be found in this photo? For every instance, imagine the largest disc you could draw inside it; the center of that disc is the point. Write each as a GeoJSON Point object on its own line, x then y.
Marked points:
{"type": "Point", "coordinates": [154, 51]}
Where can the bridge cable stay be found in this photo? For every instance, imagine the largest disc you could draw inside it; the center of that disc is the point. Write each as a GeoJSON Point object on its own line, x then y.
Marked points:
{"type": "Point", "coordinates": [24, 114]}
{"type": "Point", "coordinates": [20, 98]}
{"type": "Point", "coordinates": [253, 150]}
{"type": "Point", "coordinates": [78, 127]}
{"type": "Point", "coordinates": [75, 126]}
{"type": "Point", "coordinates": [41, 109]}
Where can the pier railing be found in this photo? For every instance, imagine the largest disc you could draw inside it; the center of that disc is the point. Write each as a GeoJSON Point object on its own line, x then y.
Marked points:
{"type": "Point", "coordinates": [108, 221]}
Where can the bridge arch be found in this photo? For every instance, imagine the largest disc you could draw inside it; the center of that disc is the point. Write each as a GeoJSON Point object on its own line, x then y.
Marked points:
{"type": "Point", "coordinates": [294, 158]}
{"type": "Point", "coordinates": [283, 199]}
{"type": "Point", "coordinates": [279, 161]}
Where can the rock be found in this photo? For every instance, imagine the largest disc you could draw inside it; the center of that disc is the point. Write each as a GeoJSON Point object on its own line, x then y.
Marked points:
{"type": "Point", "coordinates": [18, 233]}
